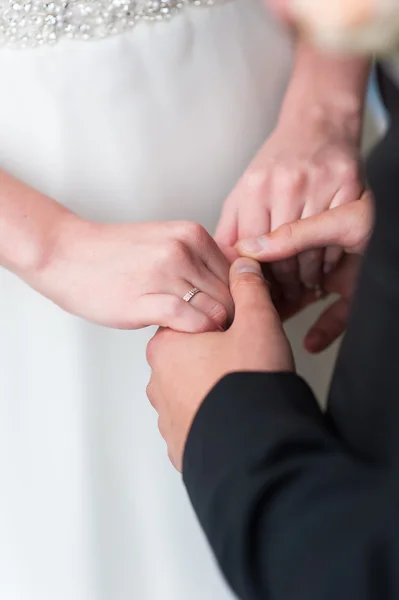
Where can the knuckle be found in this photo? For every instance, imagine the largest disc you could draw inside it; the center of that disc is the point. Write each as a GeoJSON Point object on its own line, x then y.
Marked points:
{"type": "Point", "coordinates": [291, 179]}
{"type": "Point", "coordinates": [150, 351]}
{"type": "Point", "coordinates": [347, 168]}
{"type": "Point", "coordinates": [296, 177]}
{"type": "Point", "coordinates": [156, 346]}
{"type": "Point", "coordinates": [176, 251]}
{"type": "Point", "coordinates": [153, 349]}
{"type": "Point", "coordinates": [150, 394]}
{"type": "Point", "coordinates": [193, 232]}
{"type": "Point", "coordinates": [254, 181]}
{"type": "Point", "coordinates": [287, 230]}
{"type": "Point", "coordinates": [173, 308]}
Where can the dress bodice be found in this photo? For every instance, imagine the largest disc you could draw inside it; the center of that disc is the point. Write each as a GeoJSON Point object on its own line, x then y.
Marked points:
{"type": "Point", "coordinates": [27, 23]}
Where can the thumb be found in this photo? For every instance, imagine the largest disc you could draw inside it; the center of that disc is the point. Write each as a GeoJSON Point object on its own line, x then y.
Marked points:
{"type": "Point", "coordinates": [348, 226]}
{"type": "Point", "coordinates": [251, 295]}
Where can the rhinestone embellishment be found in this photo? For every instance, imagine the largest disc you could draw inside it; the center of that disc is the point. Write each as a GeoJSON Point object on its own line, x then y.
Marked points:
{"type": "Point", "coordinates": [29, 23]}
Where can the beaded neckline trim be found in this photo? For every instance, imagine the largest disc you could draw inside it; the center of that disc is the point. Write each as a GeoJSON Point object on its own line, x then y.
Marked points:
{"type": "Point", "coordinates": [30, 23]}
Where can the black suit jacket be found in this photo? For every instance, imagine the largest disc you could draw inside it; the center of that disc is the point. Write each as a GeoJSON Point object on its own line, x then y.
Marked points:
{"type": "Point", "coordinates": [298, 505]}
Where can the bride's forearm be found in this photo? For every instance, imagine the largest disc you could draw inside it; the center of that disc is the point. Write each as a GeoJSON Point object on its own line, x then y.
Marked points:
{"type": "Point", "coordinates": [327, 88]}
{"type": "Point", "coordinates": [29, 226]}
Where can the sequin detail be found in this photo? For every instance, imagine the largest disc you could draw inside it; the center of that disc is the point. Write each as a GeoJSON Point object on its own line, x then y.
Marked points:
{"type": "Point", "coordinates": [27, 23]}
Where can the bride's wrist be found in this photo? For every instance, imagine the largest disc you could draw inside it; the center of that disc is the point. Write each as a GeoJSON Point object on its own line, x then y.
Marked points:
{"type": "Point", "coordinates": [30, 223]}
{"type": "Point", "coordinates": [61, 246]}
{"type": "Point", "coordinates": [32, 250]}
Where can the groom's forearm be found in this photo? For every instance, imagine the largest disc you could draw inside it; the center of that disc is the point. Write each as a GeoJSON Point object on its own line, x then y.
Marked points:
{"type": "Point", "coordinates": [288, 511]}
{"type": "Point", "coordinates": [236, 449]}
{"type": "Point", "coordinates": [330, 88]}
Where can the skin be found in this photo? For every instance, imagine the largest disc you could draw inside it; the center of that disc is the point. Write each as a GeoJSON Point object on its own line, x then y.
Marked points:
{"type": "Point", "coordinates": [310, 163]}
{"type": "Point", "coordinates": [335, 12]}
{"type": "Point", "coordinates": [359, 26]}
{"type": "Point", "coordinates": [255, 341]}
{"type": "Point", "coordinates": [347, 227]}
{"type": "Point", "coordinates": [122, 276]}
{"type": "Point", "coordinates": [186, 367]}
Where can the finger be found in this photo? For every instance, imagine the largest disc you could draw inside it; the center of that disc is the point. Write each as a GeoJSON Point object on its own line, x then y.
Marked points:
{"type": "Point", "coordinates": [286, 273]}
{"type": "Point", "coordinates": [230, 253]}
{"type": "Point", "coordinates": [187, 270]}
{"type": "Point", "coordinates": [207, 282]}
{"type": "Point", "coordinates": [343, 280]}
{"type": "Point", "coordinates": [288, 196]}
{"type": "Point", "coordinates": [253, 304]}
{"type": "Point", "coordinates": [348, 227]}
{"type": "Point", "coordinates": [254, 219]}
{"type": "Point", "coordinates": [204, 303]}
{"type": "Point", "coordinates": [311, 261]}
{"type": "Point", "coordinates": [332, 256]}
{"type": "Point", "coordinates": [348, 193]}
{"type": "Point", "coordinates": [226, 233]}
{"type": "Point", "coordinates": [311, 268]}
{"type": "Point", "coordinates": [214, 259]}
{"type": "Point", "coordinates": [158, 349]}
{"type": "Point", "coordinates": [167, 310]}
{"type": "Point", "coordinates": [328, 328]}
{"type": "Point", "coordinates": [203, 246]}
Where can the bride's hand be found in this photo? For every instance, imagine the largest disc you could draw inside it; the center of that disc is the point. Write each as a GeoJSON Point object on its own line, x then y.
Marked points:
{"type": "Point", "coordinates": [134, 275]}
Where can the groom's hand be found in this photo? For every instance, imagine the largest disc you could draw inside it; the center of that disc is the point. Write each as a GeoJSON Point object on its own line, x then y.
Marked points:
{"type": "Point", "coordinates": [185, 367]}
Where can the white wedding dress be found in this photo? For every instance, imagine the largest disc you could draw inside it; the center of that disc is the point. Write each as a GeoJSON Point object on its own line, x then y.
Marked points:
{"type": "Point", "coordinates": [156, 122]}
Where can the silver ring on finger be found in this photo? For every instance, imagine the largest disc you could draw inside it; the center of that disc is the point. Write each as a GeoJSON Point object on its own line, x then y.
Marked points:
{"type": "Point", "coordinates": [190, 294]}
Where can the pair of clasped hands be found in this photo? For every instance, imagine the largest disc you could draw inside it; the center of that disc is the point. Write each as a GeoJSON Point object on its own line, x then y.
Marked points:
{"type": "Point", "coordinates": [313, 246]}
{"type": "Point", "coordinates": [185, 367]}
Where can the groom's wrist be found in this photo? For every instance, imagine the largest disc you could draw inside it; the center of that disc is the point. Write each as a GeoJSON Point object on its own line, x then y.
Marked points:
{"type": "Point", "coordinates": [326, 90]}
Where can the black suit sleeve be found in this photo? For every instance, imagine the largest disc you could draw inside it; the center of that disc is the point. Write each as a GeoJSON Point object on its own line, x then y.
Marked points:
{"type": "Point", "coordinates": [289, 512]}
{"type": "Point", "coordinates": [298, 505]}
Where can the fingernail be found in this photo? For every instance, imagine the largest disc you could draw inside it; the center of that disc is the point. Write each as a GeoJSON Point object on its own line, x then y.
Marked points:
{"type": "Point", "coordinates": [252, 246]}
{"type": "Point", "coordinates": [246, 265]}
